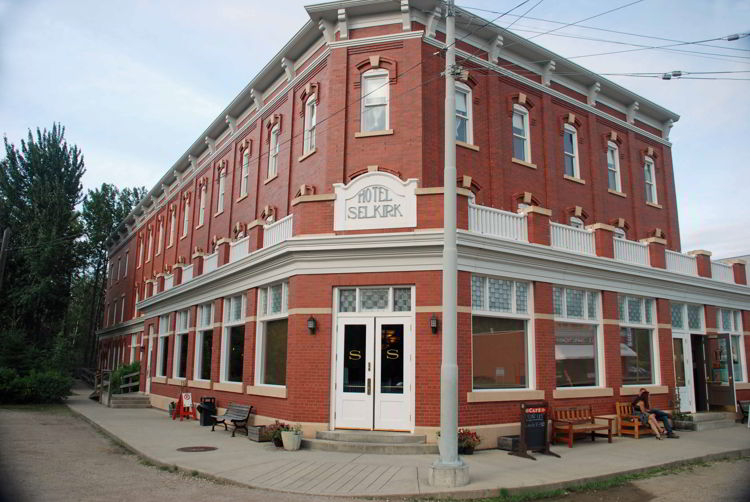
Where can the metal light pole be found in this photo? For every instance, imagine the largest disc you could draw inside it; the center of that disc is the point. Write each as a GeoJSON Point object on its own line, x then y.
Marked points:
{"type": "Point", "coordinates": [449, 470]}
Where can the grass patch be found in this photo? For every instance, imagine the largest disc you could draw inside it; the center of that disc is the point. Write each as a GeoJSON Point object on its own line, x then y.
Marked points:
{"type": "Point", "coordinates": [594, 486]}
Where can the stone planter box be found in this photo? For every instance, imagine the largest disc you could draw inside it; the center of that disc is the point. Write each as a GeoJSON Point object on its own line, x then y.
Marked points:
{"type": "Point", "coordinates": [508, 443]}
{"type": "Point", "coordinates": [257, 433]}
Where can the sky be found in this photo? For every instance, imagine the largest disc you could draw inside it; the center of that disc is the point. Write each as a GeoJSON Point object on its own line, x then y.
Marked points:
{"type": "Point", "coordinates": [136, 82]}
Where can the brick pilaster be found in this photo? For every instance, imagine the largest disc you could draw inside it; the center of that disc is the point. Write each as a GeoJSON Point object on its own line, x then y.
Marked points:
{"type": "Point", "coordinates": [198, 264]}
{"type": "Point", "coordinates": [603, 238]}
{"type": "Point", "coordinates": [537, 219]}
{"type": "Point", "coordinates": [222, 247]}
{"type": "Point", "coordinates": [703, 261]}
{"type": "Point", "coordinates": [739, 269]}
{"type": "Point", "coordinates": [656, 251]}
{"type": "Point", "coordinates": [544, 335]}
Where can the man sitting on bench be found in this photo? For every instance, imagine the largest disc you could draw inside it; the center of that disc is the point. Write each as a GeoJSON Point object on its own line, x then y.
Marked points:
{"type": "Point", "coordinates": [650, 416]}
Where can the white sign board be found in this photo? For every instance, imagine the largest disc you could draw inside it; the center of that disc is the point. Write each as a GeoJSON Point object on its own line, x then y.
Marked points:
{"type": "Point", "coordinates": [187, 399]}
{"type": "Point", "coordinates": [375, 200]}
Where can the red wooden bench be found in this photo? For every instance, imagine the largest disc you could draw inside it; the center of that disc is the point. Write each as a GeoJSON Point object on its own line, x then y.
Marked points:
{"type": "Point", "coordinates": [628, 424]}
{"type": "Point", "coordinates": [578, 420]}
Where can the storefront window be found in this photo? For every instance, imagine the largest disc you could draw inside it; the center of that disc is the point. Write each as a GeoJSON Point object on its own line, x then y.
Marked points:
{"type": "Point", "coordinates": [499, 353]}
{"type": "Point", "coordinates": [272, 335]}
{"type": "Point", "coordinates": [233, 341]}
{"type": "Point", "coordinates": [576, 355]}
{"type": "Point", "coordinates": [635, 356]}
{"type": "Point", "coordinates": [203, 342]}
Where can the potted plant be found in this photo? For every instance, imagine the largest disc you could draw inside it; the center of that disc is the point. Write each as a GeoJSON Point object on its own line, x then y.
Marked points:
{"type": "Point", "coordinates": [292, 437]}
{"type": "Point", "coordinates": [273, 433]}
{"type": "Point", "coordinates": [467, 441]}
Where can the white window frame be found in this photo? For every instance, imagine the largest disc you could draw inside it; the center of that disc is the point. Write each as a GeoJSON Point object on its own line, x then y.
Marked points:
{"type": "Point", "coordinates": [161, 238]}
{"type": "Point", "coordinates": [648, 306]}
{"type": "Point", "coordinates": [172, 225]}
{"type": "Point", "coordinates": [576, 222]}
{"type": "Point", "coordinates": [263, 316]}
{"type": "Point", "coordinates": [119, 268]}
{"type": "Point", "coordinates": [735, 330]}
{"type": "Point", "coordinates": [273, 152]}
{"type": "Point", "coordinates": [222, 188]}
{"type": "Point", "coordinates": [245, 172]}
{"type": "Point", "coordinates": [137, 299]}
{"type": "Point", "coordinates": [612, 147]}
{"type": "Point", "coordinates": [127, 256]}
{"type": "Point", "coordinates": [567, 128]}
{"type": "Point", "coordinates": [185, 217]}
{"type": "Point", "coordinates": [465, 90]}
{"type": "Point", "coordinates": [311, 120]}
{"type": "Point", "coordinates": [163, 345]}
{"type": "Point", "coordinates": [202, 211]}
{"type": "Point", "coordinates": [140, 253]}
{"type": "Point", "coordinates": [200, 329]}
{"type": "Point", "coordinates": [133, 347]}
{"type": "Point", "coordinates": [180, 330]}
{"type": "Point", "coordinates": [527, 316]}
{"type": "Point", "coordinates": [375, 74]}
{"type": "Point", "coordinates": [122, 308]}
{"type": "Point", "coordinates": [649, 168]}
{"type": "Point", "coordinates": [150, 244]}
{"type": "Point", "coordinates": [600, 363]}
{"type": "Point", "coordinates": [524, 113]}
{"type": "Point", "coordinates": [228, 324]}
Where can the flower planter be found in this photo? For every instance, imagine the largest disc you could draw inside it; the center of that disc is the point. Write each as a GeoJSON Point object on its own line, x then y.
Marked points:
{"type": "Point", "coordinates": [292, 440]}
{"type": "Point", "coordinates": [466, 450]}
{"type": "Point", "coordinates": [277, 441]}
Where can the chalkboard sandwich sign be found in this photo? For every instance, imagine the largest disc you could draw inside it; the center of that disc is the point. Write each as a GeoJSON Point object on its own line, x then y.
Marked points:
{"type": "Point", "coordinates": [534, 435]}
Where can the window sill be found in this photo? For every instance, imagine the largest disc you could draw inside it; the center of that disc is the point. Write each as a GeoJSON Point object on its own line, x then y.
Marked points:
{"type": "Point", "coordinates": [199, 384]}
{"type": "Point", "coordinates": [242, 197]}
{"type": "Point", "coordinates": [199, 226]}
{"type": "Point", "coordinates": [307, 155]}
{"type": "Point", "coordinates": [468, 146]}
{"type": "Point", "coordinates": [657, 206]}
{"type": "Point", "coordinates": [183, 236]}
{"type": "Point", "coordinates": [218, 213]}
{"type": "Point", "coordinates": [574, 179]}
{"type": "Point", "coordinates": [158, 379]}
{"type": "Point", "coordinates": [523, 163]}
{"type": "Point", "coordinates": [485, 396]}
{"type": "Point", "coordinates": [633, 390]}
{"type": "Point", "coordinates": [368, 134]}
{"type": "Point", "coordinates": [269, 180]}
{"type": "Point", "coordinates": [573, 392]}
{"type": "Point", "coordinates": [742, 385]}
{"type": "Point", "coordinates": [171, 245]}
{"type": "Point", "coordinates": [235, 387]}
{"type": "Point", "coordinates": [267, 390]}
{"type": "Point", "coordinates": [615, 192]}
{"type": "Point", "coordinates": [176, 381]}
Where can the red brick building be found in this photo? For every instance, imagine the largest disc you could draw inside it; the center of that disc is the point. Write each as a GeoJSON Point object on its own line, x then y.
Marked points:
{"type": "Point", "coordinates": [290, 258]}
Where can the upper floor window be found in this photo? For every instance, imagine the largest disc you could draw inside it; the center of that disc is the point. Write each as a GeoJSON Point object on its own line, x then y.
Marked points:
{"type": "Point", "coordinates": [140, 251]}
{"type": "Point", "coordinates": [172, 225]}
{"type": "Point", "coordinates": [613, 167]}
{"type": "Point", "coordinates": [119, 268]}
{"type": "Point", "coordinates": [273, 152]}
{"type": "Point", "coordinates": [463, 114]}
{"type": "Point", "coordinates": [576, 222]}
{"type": "Point", "coordinates": [521, 136]}
{"type": "Point", "coordinates": [185, 217]}
{"type": "Point", "coordinates": [125, 272]}
{"type": "Point", "coordinates": [649, 174]}
{"type": "Point", "coordinates": [311, 109]}
{"type": "Point", "coordinates": [150, 244]}
{"type": "Point", "coordinates": [375, 94]}
{"type": "Point", "coordinates": [202, 210]}
{"type": "Point", "coordinates": [161, 237]}
{"type": "Point", "coordinates": [222, 188]}
{"type": "Point", "coordinates": [570, 151]}
{"type": "Point", "coordinates": [245, 172]}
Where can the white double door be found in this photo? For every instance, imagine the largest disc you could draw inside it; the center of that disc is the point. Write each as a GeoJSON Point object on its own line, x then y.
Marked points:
{"type": "Point", "coordinates": [374, 373]}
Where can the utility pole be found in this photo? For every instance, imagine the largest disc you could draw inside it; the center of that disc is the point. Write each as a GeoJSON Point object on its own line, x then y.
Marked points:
{"type": "Point", "coordinates": [4, 254]}
{"type": "Point", "coordinates": [449, 470]}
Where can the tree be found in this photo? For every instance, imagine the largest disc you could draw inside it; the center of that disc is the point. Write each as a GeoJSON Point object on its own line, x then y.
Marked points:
{"type": "Point", "coordinates": [103, 209]}
{"type": "Point", "coordinates": [40, 186]}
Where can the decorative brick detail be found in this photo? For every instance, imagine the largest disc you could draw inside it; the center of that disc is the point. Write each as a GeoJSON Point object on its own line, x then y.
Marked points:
{"type": "Point", "coordinates": [656, 251]}
{"type": "Point", "coordinates": [197, 264]}
{"type": "Point", "coordinates": [537, 219]}
{"type": "Point", "coordinates": [703, 260]}
{"type": "Point", "coordinates": [603, 239]}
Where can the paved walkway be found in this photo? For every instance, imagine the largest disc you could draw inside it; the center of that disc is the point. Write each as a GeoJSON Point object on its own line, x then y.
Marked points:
{"type": "Point", "coordinates": [152, 434]}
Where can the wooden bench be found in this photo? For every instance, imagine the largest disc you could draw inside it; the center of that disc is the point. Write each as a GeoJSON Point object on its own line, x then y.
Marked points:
{"type": "Point", "coordinates": [238, 414]}
{"type": "Point", "coordinates": [576, 420]}
{"type": "Point", "coordinates": [744, 408]}
{"type": "Point", "coordinates": [629, 424]}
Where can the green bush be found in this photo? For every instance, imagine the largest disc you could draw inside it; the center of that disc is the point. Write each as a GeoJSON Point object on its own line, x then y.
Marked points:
{"type": "Point", "coordinates": [121, 372]}
{"type": "Point", "coordinates": [36, 387]}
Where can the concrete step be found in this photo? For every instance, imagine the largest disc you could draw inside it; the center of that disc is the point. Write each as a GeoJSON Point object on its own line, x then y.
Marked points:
{"type": "Point", "coordinates": [372, 437]}
{"type": "Point", "coordinates": [376, 448]}
{"type": "Point", "coordinates": [132, 401]}
{"type": "Point", "coordinates": [130, 405]}
{"type": "Point", "coordinates": [711, 416]}
{"type": "Point", "coordinates": [707, 426]}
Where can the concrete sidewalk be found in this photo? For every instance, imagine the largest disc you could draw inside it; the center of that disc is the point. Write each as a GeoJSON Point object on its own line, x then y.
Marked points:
{"type": "Point", "coordinates": [153, 435]}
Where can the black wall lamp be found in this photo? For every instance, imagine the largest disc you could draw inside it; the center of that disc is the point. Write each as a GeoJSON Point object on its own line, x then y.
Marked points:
{"type": "Point", "coordinates": [434, 324]}
{"type": "Point", "coordinates": [312, 324]}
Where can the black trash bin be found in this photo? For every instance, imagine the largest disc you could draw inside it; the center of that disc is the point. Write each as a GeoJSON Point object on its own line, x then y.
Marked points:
{"type": "Point", "coordinates": [206, 408]}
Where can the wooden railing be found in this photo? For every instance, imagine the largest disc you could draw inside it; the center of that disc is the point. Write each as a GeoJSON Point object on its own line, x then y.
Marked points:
{"type": "Point", "coordinates": [681, 263]}
{"type": "Point", "coordinates": [277, 232]}
{"type": "Point", "coordinates": [573, 239]}
{"type": "Point", "coordinates": [497, 223]}
{"type": "Point", "coordinates": [130, 383]}
{"type": "Point", "coordinates": [722, 272]}
{"type": "Point", "coordinates": [631, 252]}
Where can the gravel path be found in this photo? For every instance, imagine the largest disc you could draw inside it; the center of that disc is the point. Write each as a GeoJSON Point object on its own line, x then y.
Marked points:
{"type": "Point", "coordinates": [47, 454]}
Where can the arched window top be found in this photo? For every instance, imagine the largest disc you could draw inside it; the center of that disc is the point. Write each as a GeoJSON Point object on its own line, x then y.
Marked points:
{"type": "Point", "coordinates": [571, 128]}
{"type": "Point", "coordinates": [620, 233]}
{"type": "Point", "coordinates": [520, 108]}
{"type": "Point", "coordinates": [576, 222]}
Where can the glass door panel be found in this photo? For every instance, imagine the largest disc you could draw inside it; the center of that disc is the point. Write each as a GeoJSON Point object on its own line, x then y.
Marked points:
{"type": "Point", "coordinates": [354, 372]}
{"type": "Point", "coordinates": [719, 374]}
{"type": "Point", "coordinates": [355, 357]}
{"type": "Point", "coordinates": [391, 359]}
{"type": "Point", "coordinates": [393, 390]}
